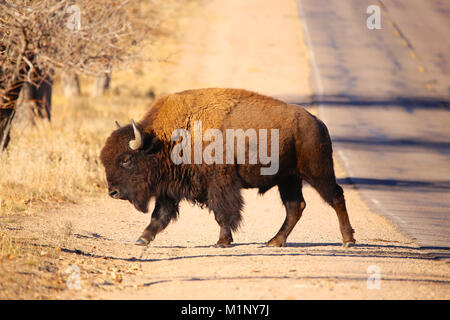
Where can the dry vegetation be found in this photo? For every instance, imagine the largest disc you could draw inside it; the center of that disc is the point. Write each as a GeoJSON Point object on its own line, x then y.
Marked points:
{"type": "Point", "coordinates": [58, 161]}
{"type": "Point", "coordinates": [55, 163]}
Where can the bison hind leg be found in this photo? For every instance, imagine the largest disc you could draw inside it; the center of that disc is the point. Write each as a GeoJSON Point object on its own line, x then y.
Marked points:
{"type": "Point", "coordinates": [333, 194]}
{"type": "Point", "coordinates": [294, 203]}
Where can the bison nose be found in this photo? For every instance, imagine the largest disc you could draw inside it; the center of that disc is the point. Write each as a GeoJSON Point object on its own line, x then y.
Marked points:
{"type": "Point", "coordinates": [114, 194]}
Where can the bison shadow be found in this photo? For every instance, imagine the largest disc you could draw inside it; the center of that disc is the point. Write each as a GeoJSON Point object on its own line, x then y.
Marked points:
{"type": "Point", "coordinates": [362, 279]}
{"type": "Point", "coordinates": [336, 250]}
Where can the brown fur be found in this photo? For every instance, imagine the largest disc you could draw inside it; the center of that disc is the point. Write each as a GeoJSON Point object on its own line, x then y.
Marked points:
{"type": "Point", "coordinates": [211, 106]}
{"type": "Point", "coordinates": [305, 153]}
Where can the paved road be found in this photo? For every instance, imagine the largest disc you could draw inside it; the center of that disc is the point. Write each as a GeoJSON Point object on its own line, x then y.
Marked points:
{"type": "Point", "coordinates": [385, 96]}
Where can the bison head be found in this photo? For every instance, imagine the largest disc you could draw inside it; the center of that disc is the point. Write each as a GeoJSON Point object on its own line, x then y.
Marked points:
{"type": "Point", "coordinates": [128, 156]}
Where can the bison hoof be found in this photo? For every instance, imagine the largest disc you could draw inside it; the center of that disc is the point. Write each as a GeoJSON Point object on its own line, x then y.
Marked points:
{"type": "Point", "coordinates": [276, 243]}
{"type": "Point", "coordinates": [141, 242]}
{"type": "Point", "coordinates": [223, 245]}
{"type": "Point", "coordinates": [348, 244]}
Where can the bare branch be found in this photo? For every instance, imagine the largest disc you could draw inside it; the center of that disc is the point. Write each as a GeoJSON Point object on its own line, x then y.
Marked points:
{"type": "Point", "coordinates": [78, 36]}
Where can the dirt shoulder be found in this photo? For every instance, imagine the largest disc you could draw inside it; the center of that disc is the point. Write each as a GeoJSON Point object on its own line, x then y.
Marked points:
{"type": "Point", "coordinates": [254, 45]}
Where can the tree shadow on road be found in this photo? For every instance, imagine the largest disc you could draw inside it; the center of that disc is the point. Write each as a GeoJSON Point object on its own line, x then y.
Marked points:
{"type": "Point", "coordinates": [408, 103]}
{"type": "Point", "coordinates": [396, 184]}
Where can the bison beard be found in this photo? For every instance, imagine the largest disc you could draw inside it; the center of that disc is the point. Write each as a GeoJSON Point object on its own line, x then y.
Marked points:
{"type": "Point", "coordinates": [138, 165]}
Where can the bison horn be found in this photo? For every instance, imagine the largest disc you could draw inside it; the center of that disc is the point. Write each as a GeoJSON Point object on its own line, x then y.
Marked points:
{"type": "Point", "coordinates": [117, 124]}
{"type": "Point", "coordinates": [137, 142]}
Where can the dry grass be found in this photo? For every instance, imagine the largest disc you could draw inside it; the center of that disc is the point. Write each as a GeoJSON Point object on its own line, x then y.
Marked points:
{"type": "Point", "coordinates": [57, 162]}
{"type": "Point", "coordinates": [28, 271]}
{"type": "Point", "coordinates": [8, 249]}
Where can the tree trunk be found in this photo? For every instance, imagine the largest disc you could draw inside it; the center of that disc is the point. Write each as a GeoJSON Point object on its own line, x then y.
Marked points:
{"type": "Point", "coordinates": [7, 105]}
{"type": "Point", "coordinates": [42, 96]}
{"type": "Point", "coordinates": [6, 117]}
{"type": "Point", "coordinates": [34, 101]}
{"type": "Point", "coordinates": [70, 84]}
{"type": "Point", "coordinates": [101, 84]}
{"type": "Point", "coordinates": [25, 107]}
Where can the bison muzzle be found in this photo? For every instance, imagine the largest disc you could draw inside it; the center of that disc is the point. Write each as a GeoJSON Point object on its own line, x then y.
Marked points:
{"type": "Point", "coordinates": [138, 164]}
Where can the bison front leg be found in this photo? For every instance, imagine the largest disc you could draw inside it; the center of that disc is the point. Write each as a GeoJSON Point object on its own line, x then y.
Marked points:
{"type": "Point", "coordinates": [227, 206]}
{"type": "Point", "coordinates": [165, 210]}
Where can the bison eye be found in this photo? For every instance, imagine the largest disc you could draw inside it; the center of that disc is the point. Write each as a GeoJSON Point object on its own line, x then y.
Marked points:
{"type": "Point", "coordinates": [126, 161]}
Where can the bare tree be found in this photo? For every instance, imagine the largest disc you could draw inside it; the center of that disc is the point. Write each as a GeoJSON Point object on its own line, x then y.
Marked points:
{"type": "Point", "coordinates": [40, 37]}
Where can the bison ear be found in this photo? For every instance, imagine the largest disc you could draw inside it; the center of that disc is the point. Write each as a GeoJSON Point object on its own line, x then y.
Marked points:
{"type": "Point", "coordinates": [151, 144]}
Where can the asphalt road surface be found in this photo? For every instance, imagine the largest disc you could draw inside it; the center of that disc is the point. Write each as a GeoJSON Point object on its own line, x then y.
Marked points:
{"type": "Point", "coordinates": [385, 97]}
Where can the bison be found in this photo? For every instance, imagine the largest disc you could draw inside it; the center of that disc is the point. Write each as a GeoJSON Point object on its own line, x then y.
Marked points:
{"type": "Point", "coordinates": [139, 164]}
